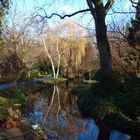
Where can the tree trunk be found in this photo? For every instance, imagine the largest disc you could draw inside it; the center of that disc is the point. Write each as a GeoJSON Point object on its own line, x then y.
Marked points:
{"type": "Point", "coordinates": [104, 49]}
{"type": "Point", "coordinates": [104, 132]}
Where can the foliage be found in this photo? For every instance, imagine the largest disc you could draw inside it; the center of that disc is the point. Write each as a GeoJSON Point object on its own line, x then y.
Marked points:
{"type": "Point", "coordinates": [38, 73]}
{"type": "Point", "coordinates": [89, 75]}
{"type": "Point", "coordinates": [98, 102]}
{"type": "Point", "coordinates": [18, 96]}
{"type": "Point", "coordinates": [3, 113]}
{"type": "Point", "coordinates": [119, 109]}
{"type": "Point", "coordinates": [12, 66]}
{"type": "Point", "coordinates": [126, 60]}
{"type": "Point", "coordinates": [121, 69]}
{"type": "Point", "coordinates": [7, 105]}
{"type": "Point", "coordinates": [3, 101]}
{"type": "Point", "coordinates": [103, 109]}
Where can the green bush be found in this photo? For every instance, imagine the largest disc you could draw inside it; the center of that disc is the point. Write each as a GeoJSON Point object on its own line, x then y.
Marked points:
{"type": "Point", "coordinates": [38, 73]}
{"type": "Point", "coordinates": [89, 75]}
{"type": "Point", "coordinates": [19, 96]}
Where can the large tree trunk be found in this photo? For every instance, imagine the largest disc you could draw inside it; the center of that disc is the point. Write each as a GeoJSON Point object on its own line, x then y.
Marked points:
{"type": "Point", "coordinates": [104, 49]}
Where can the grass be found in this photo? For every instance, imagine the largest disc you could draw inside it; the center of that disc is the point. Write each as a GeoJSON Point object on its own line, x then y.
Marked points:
{"type": "Point", "coordinates": [90, 81]}
{"type": "Point", "coordinates": [56, 81]}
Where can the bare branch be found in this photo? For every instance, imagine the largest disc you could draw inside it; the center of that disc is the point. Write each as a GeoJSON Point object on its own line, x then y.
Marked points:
{"type": "Point", "coordinates": [90, 5]}
{"type": "Point", "coordinates": [120, 12]}
{"type": "Point", "coordinates": [137, 49]}
{"type": "Point", "coordinates": [108, 5]}
{"type": "Point", "coordinates": [91, 8]}
{"type": "Point", "coordinates": [133, 3]}
{"type": "Point", "coordinates": [60, 16]}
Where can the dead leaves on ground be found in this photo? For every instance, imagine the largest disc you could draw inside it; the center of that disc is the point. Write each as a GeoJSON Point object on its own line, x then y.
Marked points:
{"type": "Point", "coordinates": [13, 119]}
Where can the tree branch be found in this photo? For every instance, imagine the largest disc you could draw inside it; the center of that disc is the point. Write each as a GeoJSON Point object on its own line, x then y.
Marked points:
{"type": "Point", "coordinates": [60, 16]}
{"type": "Point", "coordinates": [108, 5]}
{"type": "Point", "coordinates": [89, 3]}
{"type": "Point", "coordinates": [120, 12]}
{"type": "Point", "coordinates": [91, 8]}
{"type": "Point", "coordinates": [133, 2]}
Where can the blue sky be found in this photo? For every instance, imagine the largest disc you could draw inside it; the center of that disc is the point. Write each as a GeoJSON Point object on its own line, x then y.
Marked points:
{"type": "Point", "coordinates": [28, 7]}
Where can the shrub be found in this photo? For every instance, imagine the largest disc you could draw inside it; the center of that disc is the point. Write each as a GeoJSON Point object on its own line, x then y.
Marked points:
{"type": "Point", "coordinates": [12, 66]}
{"type": "Point", "coordinates": [38, 73]}
{"type": "Point", "coordinates": [19, 96]}
{"type": "Point", "coordinates": [89, 75]}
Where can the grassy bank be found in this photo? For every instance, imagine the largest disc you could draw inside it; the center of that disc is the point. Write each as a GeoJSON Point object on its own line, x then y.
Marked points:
{"type": "Point", "coordinates": [119, 107]}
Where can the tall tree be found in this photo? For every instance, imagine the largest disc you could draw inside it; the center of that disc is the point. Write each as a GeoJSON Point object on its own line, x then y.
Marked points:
{"type": "Point", "coordinates": [99, 10]}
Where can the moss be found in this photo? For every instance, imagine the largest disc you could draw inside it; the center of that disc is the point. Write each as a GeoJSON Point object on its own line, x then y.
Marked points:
{"type": "Point", "coordinates": [103, 109]}
{"type": "Point", "coordinates": [3, 101]}
{"type": "Point", "coordinates": [114, 107]}
{"type": "Point", "coordinates": [124, 124]}
{"type": "Point", "coordinates": [129, 101]}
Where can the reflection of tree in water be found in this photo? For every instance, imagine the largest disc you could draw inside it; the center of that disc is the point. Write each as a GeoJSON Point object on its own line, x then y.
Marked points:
{"type": "Point", "coordinates": [56, 112]}
{"type": "Point", "coordinates": [62, 115]}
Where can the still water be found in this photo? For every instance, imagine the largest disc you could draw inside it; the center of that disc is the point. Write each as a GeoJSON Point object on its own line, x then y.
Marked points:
{"type": "Point", "coordinates": [55, 110]}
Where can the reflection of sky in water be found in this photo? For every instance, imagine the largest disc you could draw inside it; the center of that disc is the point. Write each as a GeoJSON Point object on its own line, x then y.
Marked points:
{"type": "Point", "coordinates": [115, 135]}
{"type": "Point", "coordinates": [70, 125]}
{"type": "Point", "coordinates": [62, 120]}
{"type": "Point", "coordinates": [90, 133]}
{"type": "Point", "coordinates": [35, 117]}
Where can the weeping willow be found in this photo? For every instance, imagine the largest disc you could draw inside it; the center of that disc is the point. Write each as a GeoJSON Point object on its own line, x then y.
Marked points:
{"type": "Point", "coordinates": [74, 53]}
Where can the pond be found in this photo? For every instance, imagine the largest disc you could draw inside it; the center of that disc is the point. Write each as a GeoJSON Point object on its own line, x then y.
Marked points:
{"type": "Point", "coordinates": [55, 110]}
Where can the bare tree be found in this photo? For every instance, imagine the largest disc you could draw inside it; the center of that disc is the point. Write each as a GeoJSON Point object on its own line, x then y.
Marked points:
{"type": "Point", "coordinates": [54, 53]}
{"type": "Point", "coordinates": [76, 42]}
{"type": "Point", "coordinates": [19, 42]}
{"type": "Point", "coordinates": [99, 10]}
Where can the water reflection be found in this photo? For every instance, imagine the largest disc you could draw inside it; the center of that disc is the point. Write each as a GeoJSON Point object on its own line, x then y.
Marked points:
{"type": "Point", "coordinates": [55, 110]}
{"type": "Point", "coordinates": [115, 135]}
